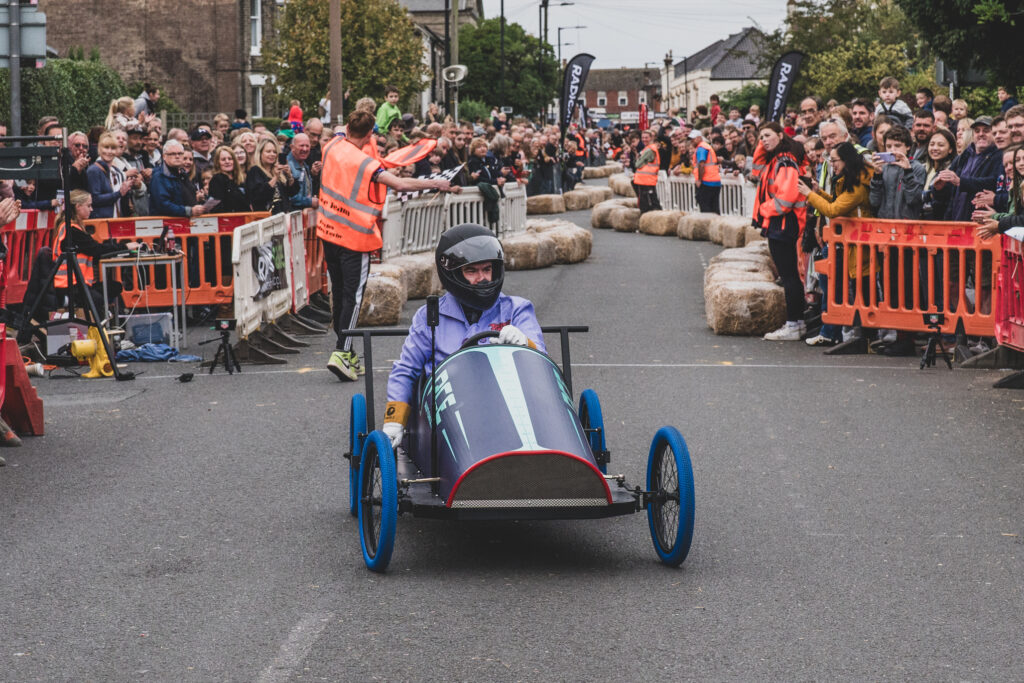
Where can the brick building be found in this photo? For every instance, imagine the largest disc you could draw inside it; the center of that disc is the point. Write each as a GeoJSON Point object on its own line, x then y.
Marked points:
{"type": "Point", "coordinates": [206, 54]}
{"type": "Point", "coordinates": [618, 93]}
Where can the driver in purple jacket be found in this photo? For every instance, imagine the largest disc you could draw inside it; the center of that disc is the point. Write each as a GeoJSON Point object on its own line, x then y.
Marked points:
{"type": "Point", "coordinates": [471, 266]}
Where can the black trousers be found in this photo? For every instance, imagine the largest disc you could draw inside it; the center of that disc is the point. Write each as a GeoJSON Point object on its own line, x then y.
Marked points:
{"type": "Point", "coordinates": [349, 271]}
{"type": "Point", "coordinates": [707, 198]}
{"type": "Point", "coordinates": [647, 198]}
{"type": "Point", "coordinates": [784, 255]}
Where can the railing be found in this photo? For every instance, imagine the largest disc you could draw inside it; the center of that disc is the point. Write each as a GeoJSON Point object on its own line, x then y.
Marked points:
{"type": "Point", "coordinates": [679, 193]}
{"type": "Point", "coordinates": [415, 225]}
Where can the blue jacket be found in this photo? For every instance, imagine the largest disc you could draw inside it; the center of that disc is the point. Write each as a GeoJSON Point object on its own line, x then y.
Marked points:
{"type": "Point", "coordinates": [451, 332]}
{"type": "Point", "coordinates": [978, 171]}
{"type": "Point", "coordinates": [169, 195]}
{"type": "Point", "coordinates": [302, 199]}
{"type": "Point", "coordinates": [104, 196]}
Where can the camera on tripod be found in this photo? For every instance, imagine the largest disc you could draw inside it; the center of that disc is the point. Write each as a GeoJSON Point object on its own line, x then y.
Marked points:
{"type": "Point", "coordinates": [226, 324]}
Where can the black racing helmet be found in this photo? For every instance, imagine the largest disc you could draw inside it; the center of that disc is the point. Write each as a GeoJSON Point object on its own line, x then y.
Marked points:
{"type": "Point", "coordinates": [464, 245]}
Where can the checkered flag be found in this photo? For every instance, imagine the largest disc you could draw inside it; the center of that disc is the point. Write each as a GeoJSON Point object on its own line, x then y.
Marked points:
{"type": "Point", "coordinates": [443, 175]}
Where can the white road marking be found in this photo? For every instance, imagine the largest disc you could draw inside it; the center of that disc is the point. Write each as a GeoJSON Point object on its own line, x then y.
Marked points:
{"type": "Point", "coordinates": [294, 650]}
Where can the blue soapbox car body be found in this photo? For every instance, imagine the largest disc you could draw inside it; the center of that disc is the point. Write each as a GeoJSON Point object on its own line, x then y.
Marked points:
{"type": "Point", "coordinates": [509, 444]}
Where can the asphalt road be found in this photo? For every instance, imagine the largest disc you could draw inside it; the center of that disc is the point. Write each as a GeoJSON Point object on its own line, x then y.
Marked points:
{"type": "Point", "coordinates": [857, 519]}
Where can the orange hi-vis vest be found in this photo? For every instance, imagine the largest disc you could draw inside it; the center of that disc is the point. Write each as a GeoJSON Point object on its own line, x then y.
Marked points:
{"type": "Point", "coordinates": [711, 172]}
{"type": "Point", "coordinates": [350, 204]}
{"type": "Point", "coordinates": [648, 173]}
{"type": "Point", "coordinates": [60, 280]}
{"type": "Point", "coordinates": [581, 145]}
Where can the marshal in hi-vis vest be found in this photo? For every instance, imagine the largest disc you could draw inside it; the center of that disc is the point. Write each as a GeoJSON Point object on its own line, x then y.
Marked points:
{"type": "Point", "coordinates": [648, 173]}
{"type": "Point", "coordinates": [60, 280]}
{"type": "Point", "coordinates": [350, 204]}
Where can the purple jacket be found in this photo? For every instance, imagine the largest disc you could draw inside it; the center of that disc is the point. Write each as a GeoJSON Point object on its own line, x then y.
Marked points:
{"type": "Point", "coordinates": [451, 332]}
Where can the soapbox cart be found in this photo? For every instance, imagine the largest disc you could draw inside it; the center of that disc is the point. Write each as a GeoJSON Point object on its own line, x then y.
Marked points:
{"type": "Point", "coordinates": [507, 444]}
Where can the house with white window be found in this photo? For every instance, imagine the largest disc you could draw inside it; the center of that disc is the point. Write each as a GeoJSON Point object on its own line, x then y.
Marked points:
{"type": "Point", "coordinates": [618, 93]}
{"type": "Point", "coordinates": [724, 65]}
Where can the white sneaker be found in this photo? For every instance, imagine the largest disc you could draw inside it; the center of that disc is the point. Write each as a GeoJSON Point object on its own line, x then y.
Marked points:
{"type": "Point", "coordinates": [791, 331]}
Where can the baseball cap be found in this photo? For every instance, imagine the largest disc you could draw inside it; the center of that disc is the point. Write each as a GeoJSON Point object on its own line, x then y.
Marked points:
{"type": "Point", "coordinates": [982, 121]}
{"type": "Point", "coordinates": [200, 134]}
{"type": "Point", "coordinates": [695, 133]}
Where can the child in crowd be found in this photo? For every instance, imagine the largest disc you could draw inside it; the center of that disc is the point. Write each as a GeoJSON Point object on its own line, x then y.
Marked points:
{"type": "Point", "coordinates": [891, 105]}
{"type": "Point", "coordinates": [388, 110]}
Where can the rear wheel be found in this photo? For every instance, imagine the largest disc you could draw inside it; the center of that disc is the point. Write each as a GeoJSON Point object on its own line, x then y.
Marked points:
{"type": "Point", "coordinates": [378, 501]}
{"type": "Point", "coordinates": [356, 426]}
{"type": "Point", "coordinates": [670, 481]}
{"type": "Point", "coordinates": [593, 426]}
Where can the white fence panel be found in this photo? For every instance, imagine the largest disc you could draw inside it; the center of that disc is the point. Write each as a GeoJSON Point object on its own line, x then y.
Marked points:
{"type": "Point", "coordinates": [248, 311]}
{"type": "Point", "coordinates": [296, 252]}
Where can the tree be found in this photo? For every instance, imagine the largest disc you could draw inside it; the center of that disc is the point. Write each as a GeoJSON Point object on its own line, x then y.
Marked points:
{"type": "Point", "coordinates": [525, 90]}
{"type": "Point", "coordinates": [379, 47]}
{"type": "Point", "coordinates": [743, 97]}
{"type": "Point", "coordinates": [963, 33]}
{"type": "Point", "coordinates": [851, 45]}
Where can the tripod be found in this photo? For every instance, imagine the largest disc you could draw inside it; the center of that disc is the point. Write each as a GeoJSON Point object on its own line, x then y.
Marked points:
{"type": "Point", "coordinates": [936, 349]}
{"type": "Point", "coordinates": [230, 360]}
{"type": "Point", "coordinates": [46, 163]}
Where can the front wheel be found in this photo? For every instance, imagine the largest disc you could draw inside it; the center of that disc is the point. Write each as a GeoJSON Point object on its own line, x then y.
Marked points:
{"type": "Point", "coordinates": [670, 510]}
{"type": "Point", "coordinates": [378, 501]}
{"type": "Point", "coordinates": [356, 435]}
{"type": "Point", "coordinates": [593, 427]}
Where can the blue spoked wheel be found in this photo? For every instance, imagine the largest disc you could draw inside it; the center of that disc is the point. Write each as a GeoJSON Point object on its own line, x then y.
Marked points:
{"type": "Point", "coordinates": [670, 479]}
{"type": "Point", "coordinates": [356, 426]}
{"type": "Point", "coordinates": [593, 424]}
{"type": "Point", "coordinates": [378, 501]}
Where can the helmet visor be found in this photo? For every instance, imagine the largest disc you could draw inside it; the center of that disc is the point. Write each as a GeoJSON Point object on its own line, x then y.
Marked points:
{"type": "Point", "coordinates": [472, 250]}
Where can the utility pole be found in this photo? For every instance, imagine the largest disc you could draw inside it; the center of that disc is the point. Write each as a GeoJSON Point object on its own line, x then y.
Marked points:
{"type": "Point", "coordinates": [502, 53]}
{"type": "Point", "coordinates": [337, 86]}
{"type": "Point", "coordinates": [14, 40]}
{"type": "Point", "coordinates": [447, 56]}
{"type": "Point", "coordinates": [455, 50]}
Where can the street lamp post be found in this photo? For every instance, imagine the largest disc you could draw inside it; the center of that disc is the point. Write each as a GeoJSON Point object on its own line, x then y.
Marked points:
{"type": "Point", "coordinates": [560, 29]}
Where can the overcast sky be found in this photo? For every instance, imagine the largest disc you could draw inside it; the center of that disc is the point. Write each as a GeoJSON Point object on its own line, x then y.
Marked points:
{"type": "Point", "coordinates": [631, 32]}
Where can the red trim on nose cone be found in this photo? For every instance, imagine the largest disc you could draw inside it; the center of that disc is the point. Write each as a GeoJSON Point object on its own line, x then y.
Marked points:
{"type": "Point", "coordinates": [597, 472]}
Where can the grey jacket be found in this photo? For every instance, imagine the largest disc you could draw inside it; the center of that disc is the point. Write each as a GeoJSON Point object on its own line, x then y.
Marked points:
{"type": "Point", "coordinates": [896, 192]}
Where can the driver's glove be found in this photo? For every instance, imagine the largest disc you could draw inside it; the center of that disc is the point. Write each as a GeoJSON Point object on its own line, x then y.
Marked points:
{"type": "Point", "coordinates": [393, 431]}
{"type": "Point", "coordinates": [395, 415]}
{"type": "Point", "coordinates": [510, 334]}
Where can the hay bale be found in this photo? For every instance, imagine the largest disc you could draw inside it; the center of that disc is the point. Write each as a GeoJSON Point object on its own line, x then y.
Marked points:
{"type": "Point", "coordinates": [623, 219]}
{"type": "Point", "coordinates": [600, 214]}
{"type": "Point", "coordinates": [529, 250]}
{"type": "Point", "coordinates": [598, 193]}
{"type": "Point", "coordinates": [715, 231]}
{"type": "Point", "coordinates": [739, 271]}
{"type": "Point", "coordinates": [393, 271]}
{"type": "Point", "coordinates": [572, 243]}
{"type": "Point", "coordinates": [660, 222]}
{"type": "Point", "coordinates": [602, 171]}
{"type": "Point", "coordinates": [758, 247]}
{"type": "Point", "coordinates": [694, 226]}
{"type": "Point", "coordinates": [744, 308]}
{"type": "Point", "coordinates": [545, 203]}
{"type": "Point", "coordinates": [753, 235]}
{"type": "Point", "coordinates": [419, 274]}
{"type": "Point", "coordinates": [577, 200]}
{"type": "Point", "coordinates": [734, 231]}
{"type": "Point", "coordinates": [621, 185]}
{"type": "Point", "coordinates": [382, 301]}
{"type": "Point", "coordinates": [756, 256]}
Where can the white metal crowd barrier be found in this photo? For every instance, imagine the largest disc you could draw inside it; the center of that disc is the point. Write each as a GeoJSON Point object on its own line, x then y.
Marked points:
{"type": "Point", "coordinates": [415, 225]}
{"type": "Point", "coordinates": [255, 259]}
{"type": "Point", "coordinates": [679, 193]}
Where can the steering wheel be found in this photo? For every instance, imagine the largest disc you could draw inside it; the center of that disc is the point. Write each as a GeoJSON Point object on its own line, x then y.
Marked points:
{"type": "Point", "coordinates": [475, 339]}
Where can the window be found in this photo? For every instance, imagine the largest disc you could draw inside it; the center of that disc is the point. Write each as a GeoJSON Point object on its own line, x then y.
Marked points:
{"type": "Point", "coordinates": [642, 95]}
{"type": "Point", "coordinates": [256, 83]}
{"type": "Point", "coordinates": [602, 98]}
{"type": "Point", "coordinates": [623, 98]}
{"type": "Point", "coordinates": [255, 26]}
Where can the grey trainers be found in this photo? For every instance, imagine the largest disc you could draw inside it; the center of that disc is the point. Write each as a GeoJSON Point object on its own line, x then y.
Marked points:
{"type": "Point", "coordinates": [339, 364]}
{"type": "Point", "coordinates": [791, 331]}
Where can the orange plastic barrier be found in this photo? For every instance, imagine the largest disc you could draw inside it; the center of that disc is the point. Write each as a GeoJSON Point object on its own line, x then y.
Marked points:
{"type": "Point", "coordinates": [24, 237]}
{"type": "Point", "coordinates": [316, 274]}
{"type": "Point", "coordinates": [907, 269]}
{"type": "Point", "coordinates": [1010, 295]}
{"type": "Point", "coordinates": [205, 243]}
